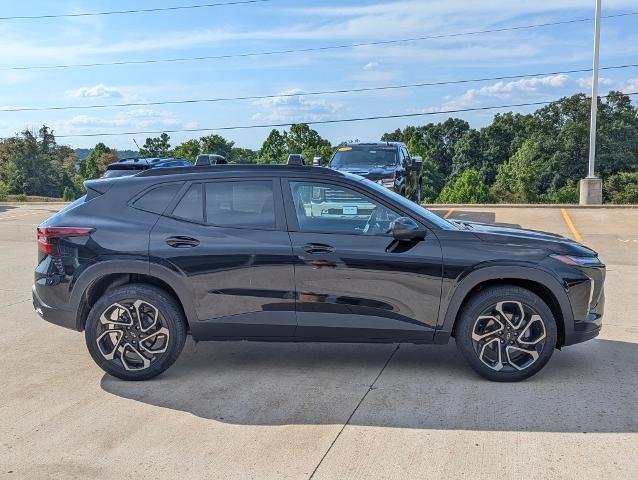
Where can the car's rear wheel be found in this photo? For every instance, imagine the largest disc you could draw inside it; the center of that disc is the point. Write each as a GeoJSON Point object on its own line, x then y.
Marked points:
{"type": "Point", "coordinates": [135, 332]}
{"type": "Point", "coordinates": [506, 333]}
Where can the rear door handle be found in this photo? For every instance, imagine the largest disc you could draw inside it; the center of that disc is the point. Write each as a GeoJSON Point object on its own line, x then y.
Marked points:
{"type": "Point", "coordinates": [318, 248]}
{"type": "Point", "coordinates": [182, 242]}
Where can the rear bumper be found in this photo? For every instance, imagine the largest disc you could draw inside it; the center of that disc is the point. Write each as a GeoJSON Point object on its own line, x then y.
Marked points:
{"type": "Point", "coordinates": [63, 318]}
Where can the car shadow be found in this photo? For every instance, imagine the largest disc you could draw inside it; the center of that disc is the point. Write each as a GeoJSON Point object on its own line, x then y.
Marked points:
{"type": "Point", "coordinates": [6, 208]}
{"type": "Point", "coordinates": [585, 388]}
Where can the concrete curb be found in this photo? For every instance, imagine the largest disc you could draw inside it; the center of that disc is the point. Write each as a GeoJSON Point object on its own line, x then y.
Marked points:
{"type": "Point", "coordinates": [37, 204]}
{"type": "Point", "coordinates": [522, 205]}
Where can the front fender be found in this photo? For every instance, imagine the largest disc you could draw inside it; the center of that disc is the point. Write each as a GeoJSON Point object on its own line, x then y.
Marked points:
{"type": "Point", "coordinates": [450, 307]}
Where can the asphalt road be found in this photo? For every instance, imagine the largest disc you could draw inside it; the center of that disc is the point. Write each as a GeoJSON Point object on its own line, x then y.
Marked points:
{"type": "Point", "coordinates": [256, 410]}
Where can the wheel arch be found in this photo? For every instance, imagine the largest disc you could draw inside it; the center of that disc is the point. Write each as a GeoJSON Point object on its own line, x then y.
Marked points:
{"type": "Point", "coordinates": [542, 283]}
{"type": "Point", "coordinates": [99, 278]}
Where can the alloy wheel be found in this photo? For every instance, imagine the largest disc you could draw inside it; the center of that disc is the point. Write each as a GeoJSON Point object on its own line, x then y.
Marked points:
{"type": "Point", "coordinates": [132, 334]}
{"type": "Point", "coordinates": [509, 336]}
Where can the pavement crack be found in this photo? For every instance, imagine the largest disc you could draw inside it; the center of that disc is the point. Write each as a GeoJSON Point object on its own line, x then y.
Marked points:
{"type": "Point", "coordinates": [370, 388]}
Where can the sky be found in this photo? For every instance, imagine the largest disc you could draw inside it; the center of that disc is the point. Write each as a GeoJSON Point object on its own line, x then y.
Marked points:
{"type": "Point", "coordinates": [289, 24]}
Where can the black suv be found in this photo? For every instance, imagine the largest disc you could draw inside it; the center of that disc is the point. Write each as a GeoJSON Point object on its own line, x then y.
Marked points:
{"type": "Point", "coordinates": [387, 163]}
{"type": "Point", "coordinates": [236, 252]}
{"type": "Point", "coordinates": [132, 166]}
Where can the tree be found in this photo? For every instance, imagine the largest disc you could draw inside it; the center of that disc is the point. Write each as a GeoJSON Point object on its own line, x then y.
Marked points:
{"type": "Point", "coordinates": [216, 144]}
{"type": "Point", "coordinates": [97, 161]}
{"type": "Point", "coordinates": [519, 179]}
{"type": "Point", "coordinates": [156, 147]}
{"type": "Point", "coordinates": [32, 163]}
{"type": "Point", "coordinates": [273, 150]}
{"type": "Point", "coordinates": [468, 188]}
{"type": "Point", "coordinates": [188, 150]}
{"type": "Point", "coordinates": [622, 188]}
{"type": "Point", "coordinates": [243, 155]}
{"type": "Point", "coordinates": [468, 155]}
{"type": "Point", "coordinates": [302, 139]}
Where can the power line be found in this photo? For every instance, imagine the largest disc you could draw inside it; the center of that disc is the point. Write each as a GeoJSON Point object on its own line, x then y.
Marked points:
{"type": "Point", "coordinates": [311, 49]}
{"type": "Point", "coordinates": [306, 94]}
{"type": "Point", "coordinates": [124, 12]}
{"type": "Point", "coordinates": [320, 122]}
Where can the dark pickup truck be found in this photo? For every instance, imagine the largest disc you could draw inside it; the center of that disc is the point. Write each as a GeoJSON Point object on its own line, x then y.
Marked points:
{"type": "Point", "coordinates": [387, 163]}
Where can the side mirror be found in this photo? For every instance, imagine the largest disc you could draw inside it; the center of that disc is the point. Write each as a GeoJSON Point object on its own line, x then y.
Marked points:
{"type": "Point", "coordinates": [404, 228]}
{"type": "Point", "coordinates": [417, 163]}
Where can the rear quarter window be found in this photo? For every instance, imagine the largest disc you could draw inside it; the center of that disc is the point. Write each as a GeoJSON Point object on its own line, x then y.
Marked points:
{"type": "Point", "coordinates": [157, 199]}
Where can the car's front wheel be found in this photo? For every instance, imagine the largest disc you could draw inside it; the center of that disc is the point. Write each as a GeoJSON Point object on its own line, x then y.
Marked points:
{"type": "Point", "coordinates": [135, 332]}
{"type": "Point", "coordinates": [506, 333]}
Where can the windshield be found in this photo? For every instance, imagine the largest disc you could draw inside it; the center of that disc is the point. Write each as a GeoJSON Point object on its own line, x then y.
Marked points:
{"type": "Point", "coordinates": [411, 206]}
{"type": "Point", "coordinates": [364, 157]}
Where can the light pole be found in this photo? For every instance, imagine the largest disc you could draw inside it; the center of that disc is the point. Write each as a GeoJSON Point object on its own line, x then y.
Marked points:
{"type": "Point", "coordinates": [591, 188]}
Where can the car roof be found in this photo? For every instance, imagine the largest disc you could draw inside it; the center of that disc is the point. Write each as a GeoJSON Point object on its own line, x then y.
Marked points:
{"type": "Point", "coordinates": [272, 169]}
{"type": "Point", "coordinates": [148, 161]}
{"type": "Point", "coordinates": [374, 144]}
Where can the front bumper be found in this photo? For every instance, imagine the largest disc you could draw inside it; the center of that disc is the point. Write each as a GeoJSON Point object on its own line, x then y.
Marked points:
{"type": "Point", "coordinates": [63, 318]}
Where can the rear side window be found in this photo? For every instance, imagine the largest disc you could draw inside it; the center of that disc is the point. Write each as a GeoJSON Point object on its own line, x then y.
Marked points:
{"type": "Point", "coordinates": [191, 206]}
{"type": "Point", "coordinates": [240, 204]}
{"type": "Point", "coordinates": [157, 199]}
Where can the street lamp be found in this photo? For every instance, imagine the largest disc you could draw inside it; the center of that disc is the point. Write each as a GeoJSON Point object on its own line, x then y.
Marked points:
{"type": "Point", "coordinates": [591, 188]}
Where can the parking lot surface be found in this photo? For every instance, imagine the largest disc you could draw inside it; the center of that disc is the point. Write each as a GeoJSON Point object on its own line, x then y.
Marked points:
{"type": "Point", "coordinates": [257, 410]}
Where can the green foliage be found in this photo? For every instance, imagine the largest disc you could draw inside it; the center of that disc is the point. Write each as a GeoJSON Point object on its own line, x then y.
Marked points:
{"type": "Point", "coordinates": [622, 188]}
{"type": "Point", "coordinates": [468, 188]}
{"type": "Point", "coordinates": [188, 150]}
{"type": "Point", "coordinates": [519, 179]}
{"type": "Point", "coordinates": [68, 195]}
{"type": "Point", "coordinates": [568, 193]}
{"type": "Point", "coordinates": [216, 144]}
{"type": "Point", "coordinates": [156, 147]}
{"type": "Point", "coordinates": [4, 192]}
{"type": "Point", "coordinates": [21, 197]}
{"type": "Point", "coordinates": [300, 139]}
{"type": "Point", "coordinates": [95, 164]}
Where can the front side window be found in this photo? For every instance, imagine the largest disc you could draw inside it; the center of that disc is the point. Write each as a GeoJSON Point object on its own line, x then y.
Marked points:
{"type": "Point", "coordinates": [327, 208]}
{"type": "Point", "coordinates": [240, 204]}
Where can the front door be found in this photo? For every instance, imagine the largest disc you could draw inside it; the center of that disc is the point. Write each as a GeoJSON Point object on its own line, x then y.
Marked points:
{"type": "Point", "coordinates": [353, 279]}
{"type": "Point", "coordinates": [229, 239]}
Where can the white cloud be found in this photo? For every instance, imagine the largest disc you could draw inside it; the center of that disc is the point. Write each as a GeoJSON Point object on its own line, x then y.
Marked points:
{"type": "Point", "coordinates": [516, 89]}
{"type": "Point", "coordinates": [585, 82]}
{"type": "Point", "coordinates": [294, 109]}
{"type": "Point", "coordinates": [97, 91]}
{"type": "Point", "coordinates": [140, 118]}
{"type": "Point", "coordinates": [371, 66]}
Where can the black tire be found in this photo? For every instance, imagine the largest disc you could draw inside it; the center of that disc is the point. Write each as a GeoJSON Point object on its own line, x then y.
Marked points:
{"type": "Point", "coordinates": [486, 336]}
{"type": "Point", "coordinates": [129, 324]}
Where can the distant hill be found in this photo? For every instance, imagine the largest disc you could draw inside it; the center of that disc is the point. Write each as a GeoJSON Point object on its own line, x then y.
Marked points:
{"type": "Point", "coordinates": [82, 153]}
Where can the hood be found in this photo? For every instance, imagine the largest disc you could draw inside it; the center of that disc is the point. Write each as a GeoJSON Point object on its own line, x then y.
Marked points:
{"type": "Point", "coordinates": [369, 172]}
{"type": "Point", "coordinates": [521, 236]}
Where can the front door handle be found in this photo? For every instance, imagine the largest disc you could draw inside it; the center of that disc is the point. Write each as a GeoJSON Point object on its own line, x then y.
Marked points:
{"type": "Point", "coordinates": [318, 248]}
{"type": "Point", "coordinates": [182, 242]}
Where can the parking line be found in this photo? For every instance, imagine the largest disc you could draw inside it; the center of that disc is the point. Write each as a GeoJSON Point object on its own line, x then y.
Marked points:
{"type": "Point", "coordinates": [449, 212]}
{"type": "Point", "coordinates": [570, 225]}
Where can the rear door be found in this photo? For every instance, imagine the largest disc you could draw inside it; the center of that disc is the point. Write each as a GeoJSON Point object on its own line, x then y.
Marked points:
{"type": "Point", "coordinates": [228, 238]}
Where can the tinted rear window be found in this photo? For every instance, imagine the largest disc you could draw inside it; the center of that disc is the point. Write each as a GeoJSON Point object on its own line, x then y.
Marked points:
{"type": "Point", "coordinates": [240, 204]}
{"type": "Point", "coordinates": [191, 206]}
{"type": "Point", "coordinates": [157, 199]}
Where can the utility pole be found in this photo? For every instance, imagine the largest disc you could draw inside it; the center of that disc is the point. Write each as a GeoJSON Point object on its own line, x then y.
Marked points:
{"type": "Point", "coordinates": [591, 188]}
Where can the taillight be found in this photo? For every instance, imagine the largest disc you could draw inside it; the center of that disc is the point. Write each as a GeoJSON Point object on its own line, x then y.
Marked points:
{"type": "Point", "coordinates": [47, 236]}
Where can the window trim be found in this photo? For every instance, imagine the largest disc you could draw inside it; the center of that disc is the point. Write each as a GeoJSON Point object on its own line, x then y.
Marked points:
{"type": "Point", "coordinates": [291, 214]}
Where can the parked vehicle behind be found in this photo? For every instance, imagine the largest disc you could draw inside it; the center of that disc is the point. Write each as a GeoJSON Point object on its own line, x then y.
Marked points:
{"type": "Point", "coordinates": [235, 252]}
{"type": "Point", "coordinates": [132, 166]}
{"type": "Point", "coordinates": [388, 163]}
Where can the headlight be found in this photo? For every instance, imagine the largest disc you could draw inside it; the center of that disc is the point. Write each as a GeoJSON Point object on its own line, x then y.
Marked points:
{"type": "Point", "coordinates": [579, 261]}
{"type": "Point", "coordinates": [386, 182]}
